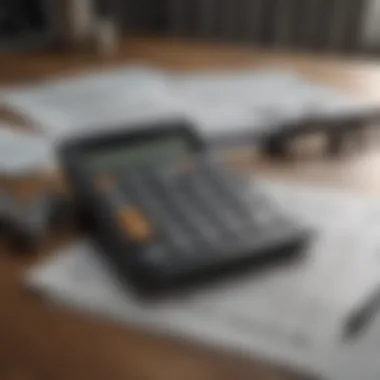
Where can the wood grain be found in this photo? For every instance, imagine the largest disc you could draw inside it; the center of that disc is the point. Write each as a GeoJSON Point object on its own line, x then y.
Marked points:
{"type": "Point", "coordinates": [42, 341]}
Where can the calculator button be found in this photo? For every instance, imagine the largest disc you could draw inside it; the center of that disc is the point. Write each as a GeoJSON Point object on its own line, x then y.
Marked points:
{"type": "Point", "coordinates": [230, 192]}
{"type": "Point", "coordinates": [188, 208]}
{"type": "Point", "coordinates": [229, 222]}
{"type": "Point", "coordinates": [113, 194]}
{"type": "Point", "coordinates": [233, 199]}
{"type": "Point", "coordinates": [157, 255]}
{"type": "Point", "coordinates": [135, 224]}
{"type": "Point", "coordinates": [169, 231]}
{"type": "Point", "coordinates": [129, 218]}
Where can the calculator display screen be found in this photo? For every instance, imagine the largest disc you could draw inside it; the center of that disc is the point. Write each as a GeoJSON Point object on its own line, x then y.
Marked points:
{"type": "Point", "coordinates": [109, 157]}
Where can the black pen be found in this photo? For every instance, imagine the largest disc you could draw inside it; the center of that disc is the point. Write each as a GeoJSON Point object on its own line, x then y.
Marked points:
{"type": "Point", "coordinates": [361, 318]}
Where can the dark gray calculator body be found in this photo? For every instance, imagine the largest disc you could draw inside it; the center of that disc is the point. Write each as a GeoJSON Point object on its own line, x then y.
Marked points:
{"type": "Point", "coordinates": [166, 214]}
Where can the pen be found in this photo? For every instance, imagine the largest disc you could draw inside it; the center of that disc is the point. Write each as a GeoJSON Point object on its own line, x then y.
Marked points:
{"type": "Point", "coordinates": [361, 317]}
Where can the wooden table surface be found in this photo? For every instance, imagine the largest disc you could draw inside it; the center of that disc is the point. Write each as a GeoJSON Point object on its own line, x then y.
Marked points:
{"type": "Point", "coordinates": [40, 341]}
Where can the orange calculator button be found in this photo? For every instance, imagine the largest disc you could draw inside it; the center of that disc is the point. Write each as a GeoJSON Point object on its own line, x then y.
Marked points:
{"type": "Point", "coordinates": [135, 224]}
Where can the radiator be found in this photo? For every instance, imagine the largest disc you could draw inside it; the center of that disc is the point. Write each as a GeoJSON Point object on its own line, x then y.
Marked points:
{"type": "Point", "coordinates": [326, 25]}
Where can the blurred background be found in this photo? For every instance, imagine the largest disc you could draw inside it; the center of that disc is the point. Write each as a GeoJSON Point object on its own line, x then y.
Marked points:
{"type": "Point", "coordinates": [339, 26]}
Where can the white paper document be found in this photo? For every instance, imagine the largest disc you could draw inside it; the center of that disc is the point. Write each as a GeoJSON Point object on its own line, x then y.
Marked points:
{"type": "Point", "coordinates": [101, 100]}
{"type": "Point", "coordinates": [294, 315]}
{"type": "Point", "coordinates": [358, 358]}
{"type": "Point", "coordinates": [22, 152]}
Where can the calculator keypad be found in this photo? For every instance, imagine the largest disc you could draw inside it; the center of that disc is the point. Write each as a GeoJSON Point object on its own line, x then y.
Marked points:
{"type": "Point", "coordinates": [198, 214]}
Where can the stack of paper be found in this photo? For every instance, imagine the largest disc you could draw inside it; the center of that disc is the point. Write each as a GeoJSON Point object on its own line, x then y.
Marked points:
{"type": "Point", "coordinates": [87, 103]}
{"type": "Point", "coordinates": [224, 105]}
{"type": "Point", "coordinates": [241, 103]}
{"type": "Point", "coordinates": [294, 315]}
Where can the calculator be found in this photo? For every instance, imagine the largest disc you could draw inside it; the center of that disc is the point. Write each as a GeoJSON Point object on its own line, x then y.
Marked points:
{"type": "Point", "coordinates": [167, 214]}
